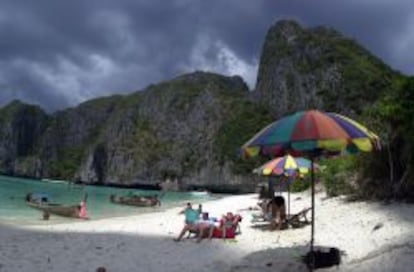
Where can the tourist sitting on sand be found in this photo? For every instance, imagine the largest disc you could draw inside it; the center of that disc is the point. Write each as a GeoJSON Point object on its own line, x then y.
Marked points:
{"type": "Point", "coordinates": [229, 221]}
{"type": "Point", "coordinates": [277, 209]}
{"type": "Point", "coordinates": [202, 227]}
{"type": "Point", "coordinates": [191, 217]}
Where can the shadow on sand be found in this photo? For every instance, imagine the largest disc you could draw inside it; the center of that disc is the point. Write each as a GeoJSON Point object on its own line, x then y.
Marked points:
{"type": "Point", "coordinates": [277, 259]}
{"type": "Point", "coordinates": [63, 251]}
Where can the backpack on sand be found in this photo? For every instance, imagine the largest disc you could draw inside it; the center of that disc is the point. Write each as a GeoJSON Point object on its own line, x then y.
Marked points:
{"type": "Point", "coordinates": [324, 257]}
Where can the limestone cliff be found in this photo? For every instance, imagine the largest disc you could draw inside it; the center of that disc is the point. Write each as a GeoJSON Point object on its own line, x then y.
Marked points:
{"type": "Point", "coordinates": [167, 130]}
{"type": "Point", "coordinates": [21, 130]}
{"type": "Point", "coordinates": [317, 68]}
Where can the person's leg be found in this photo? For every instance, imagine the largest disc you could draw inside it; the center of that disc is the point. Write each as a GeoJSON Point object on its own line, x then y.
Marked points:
{"type": "Point", "coordinates": [201, 233]}
{"type": "Point", "coordinates": [224, 232]}
{"type": "Point", "coordinates": [278, 219]}
{"type": "Point", "coordinates": [283, 214]}
{"type": "Point", "coordinates": [183, 231]}
{"type": "Point", "coordinates": [236, 221]}
{"type": "Point", "coordinates": [282, 217]}
{"type": "Point", "coordinates": [278, 223]}
{"type": "Point", "coordinates": [273, 224]}
{"type": "Point", "coordinates": [211, 231]}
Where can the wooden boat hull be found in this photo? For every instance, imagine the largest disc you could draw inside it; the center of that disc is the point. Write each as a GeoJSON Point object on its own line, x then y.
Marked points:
{"type": "Point", "coordinates": [133, 201]}
{"type": "Point", "coordinates": [56, 209]}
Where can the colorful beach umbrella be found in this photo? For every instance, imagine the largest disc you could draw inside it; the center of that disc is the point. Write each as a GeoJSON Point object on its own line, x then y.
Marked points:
{"type": "Point", "coordinates": [313, 133]}
{"type": "Point", "coordinates": [309, 132]}
{"type": "Point", "coordinates": [287, 166]}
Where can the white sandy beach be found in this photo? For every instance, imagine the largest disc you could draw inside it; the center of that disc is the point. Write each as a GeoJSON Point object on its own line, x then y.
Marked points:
{"type": "Point", "coordinates": [374, 237]}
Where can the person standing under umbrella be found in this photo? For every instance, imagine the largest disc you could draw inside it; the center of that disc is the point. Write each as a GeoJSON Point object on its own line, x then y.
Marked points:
{"type": "Point", "coordinates": [277, 208]}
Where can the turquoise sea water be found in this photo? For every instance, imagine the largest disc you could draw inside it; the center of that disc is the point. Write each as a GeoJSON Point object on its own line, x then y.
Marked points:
{"type": "Point", "coordinates": [13, 208]}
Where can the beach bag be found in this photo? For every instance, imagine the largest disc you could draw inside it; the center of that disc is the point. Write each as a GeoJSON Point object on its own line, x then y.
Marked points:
{"type": "Point", "coordinates": [323, 257]}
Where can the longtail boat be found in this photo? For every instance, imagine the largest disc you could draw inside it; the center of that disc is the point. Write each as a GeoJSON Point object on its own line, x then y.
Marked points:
{"type": "Point", "coordinates": [42, 204]}
{"type": "Point", "coordinates": [138, 201]}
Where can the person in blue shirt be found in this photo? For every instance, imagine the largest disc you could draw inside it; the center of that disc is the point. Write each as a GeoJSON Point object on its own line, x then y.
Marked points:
{"type": "Point", "coordinates": [191, 218]}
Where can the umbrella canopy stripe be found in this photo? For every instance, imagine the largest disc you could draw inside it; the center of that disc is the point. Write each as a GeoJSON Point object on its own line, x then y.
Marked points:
{"type": "Point", "coordinates": [367, 132]}
{"type": "Point", "coordinates": [316, 126]}
{"type": "Point", "coordinates": [286, 126]}
{"type": "Point", "coordinates": [352, 128]}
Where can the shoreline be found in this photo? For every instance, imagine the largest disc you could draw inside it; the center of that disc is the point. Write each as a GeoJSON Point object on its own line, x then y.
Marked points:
{"type": "Point", "coordinates": [15, 211]}
{"type": "Point", "coordinates": [374, 237]}
{"type": "Point", "coordinates": [215, 189]}
{"type": "Point", "coordinates": [133, 212]}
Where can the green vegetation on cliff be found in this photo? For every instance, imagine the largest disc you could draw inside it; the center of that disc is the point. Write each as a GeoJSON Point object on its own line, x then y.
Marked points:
{"type": "Point", "coordinates": [66, 163]}
{"type": "Point", "coordinates": [246, 119]}
{"type": "Point", "coordinates": [390, 173]}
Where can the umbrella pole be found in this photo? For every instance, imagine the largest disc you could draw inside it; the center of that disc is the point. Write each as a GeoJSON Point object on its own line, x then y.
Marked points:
{"type": "Point", "coordinates": [270, 188]}
{"type": "Point", "coordinates": [288, 182]}
{"type": "Point", "coordinates": [313, 205]}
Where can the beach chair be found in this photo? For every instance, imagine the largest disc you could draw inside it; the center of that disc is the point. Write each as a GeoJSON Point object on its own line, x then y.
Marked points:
{"type": "Point", "coordinates": [260, 217]}
{"type": "Point", "coordinates": [299, 219]}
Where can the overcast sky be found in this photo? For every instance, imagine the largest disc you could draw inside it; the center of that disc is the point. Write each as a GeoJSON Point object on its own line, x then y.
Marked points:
{"type": "Point", "coordinates": [59, 53]}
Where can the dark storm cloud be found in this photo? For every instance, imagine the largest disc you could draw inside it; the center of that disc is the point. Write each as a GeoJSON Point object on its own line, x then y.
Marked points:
{"type": "Point", "coordinates": [59, 53]}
